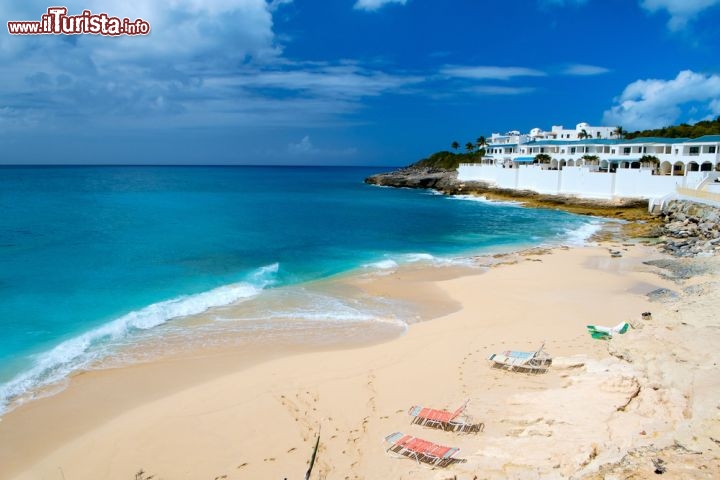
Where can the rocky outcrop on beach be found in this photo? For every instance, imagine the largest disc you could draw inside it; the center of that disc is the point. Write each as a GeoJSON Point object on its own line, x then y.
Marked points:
{"type": "Point", "coordinates": [446, 181]}
{"type": "Point", "coordinates": [436, 178]}
{"type": "Point", "coordinates": [674, 358]}
{"type": "Point", "coordinates": [691, 229]}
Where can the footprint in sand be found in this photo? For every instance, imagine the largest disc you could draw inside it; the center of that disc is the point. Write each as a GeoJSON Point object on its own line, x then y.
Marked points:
{"type": "Point", "coordinates": [243, 465]}
{"type": "Point", "coordinates": [373, 392]}
{"type": "Point", "coordinates": [299, 410]}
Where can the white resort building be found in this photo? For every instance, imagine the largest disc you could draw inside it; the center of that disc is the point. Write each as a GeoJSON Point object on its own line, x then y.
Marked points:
{"type": "Point", "coordinates": [594, 162]}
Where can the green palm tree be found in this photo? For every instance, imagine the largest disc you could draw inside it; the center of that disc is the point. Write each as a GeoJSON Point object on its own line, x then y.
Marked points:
{"type": "Point", "coordinates": [651, 160]}
{"type": "Point", "coordinates": [542, 158]}
{"type": "Point", "coordinates": [455, 145]}
{"type": "Point", "coordinates": [480, 142]}
{"type": "Point", "coordinates": [470, 147]}
{"type": "Point", "coordinates": [619, 132]}
{"type": "Point", "coordinates": [591, 159]}
{"type": "Point", "coordinates": [583, 134]}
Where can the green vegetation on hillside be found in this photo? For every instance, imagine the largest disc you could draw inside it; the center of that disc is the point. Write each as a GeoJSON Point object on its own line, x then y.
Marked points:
{"type": "Point", "coordinates": [706, 127]}
{"type": "Point", "coordinates": [448, 160]}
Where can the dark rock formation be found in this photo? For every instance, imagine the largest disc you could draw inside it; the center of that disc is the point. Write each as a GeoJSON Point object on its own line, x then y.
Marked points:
{"type": "Point", "coordinates": [441, 180]}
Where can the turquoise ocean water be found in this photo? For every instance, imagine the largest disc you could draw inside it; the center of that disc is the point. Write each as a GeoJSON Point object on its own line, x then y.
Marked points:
{"type": "Point", "coordinates": [92, 255]}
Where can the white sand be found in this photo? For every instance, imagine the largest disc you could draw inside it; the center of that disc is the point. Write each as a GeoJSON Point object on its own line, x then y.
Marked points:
{"type": "Point", "coordinates": [260, 420]}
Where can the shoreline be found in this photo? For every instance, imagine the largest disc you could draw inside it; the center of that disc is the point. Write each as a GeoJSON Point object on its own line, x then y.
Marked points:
{"type": "Point", "coordinates": [280, 401]}
{"type": "Point", "coordinates": [465, 259]}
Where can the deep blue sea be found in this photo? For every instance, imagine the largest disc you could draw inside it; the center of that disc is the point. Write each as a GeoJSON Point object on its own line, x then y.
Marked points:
{"type": "Point", "coordinates": [90, 255]}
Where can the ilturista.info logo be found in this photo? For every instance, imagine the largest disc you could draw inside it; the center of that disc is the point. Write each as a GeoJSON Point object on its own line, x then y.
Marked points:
{"type": "Point", "coordinates": [57, 22]}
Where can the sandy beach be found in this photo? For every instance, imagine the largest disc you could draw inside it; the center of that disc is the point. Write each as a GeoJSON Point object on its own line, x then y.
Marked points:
{"type": "Point", "coordinates": [605, 409]}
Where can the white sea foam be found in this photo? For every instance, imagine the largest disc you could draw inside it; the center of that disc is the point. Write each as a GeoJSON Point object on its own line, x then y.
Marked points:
{"type": "Point", "coordinates": [419, 257]}
{"type": "Point", "coordinates": [76, 353]}
{"type": "Point", "coordinates": [481, 199]}
{"type": "Point", "coordinates": [581, 235]}
{"type": "Point", "coordinates": [436, 261]}
{"type": "Point", "coordinates": [386, 264]}
{"type": "Point", "coordinates": [322, 307]}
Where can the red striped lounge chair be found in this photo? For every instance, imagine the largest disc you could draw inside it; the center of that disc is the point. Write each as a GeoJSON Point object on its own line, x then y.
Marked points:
{"type": "Point", "coordinates": [445, 420]}
{"type": "Point", "coordinates": [422, 451]}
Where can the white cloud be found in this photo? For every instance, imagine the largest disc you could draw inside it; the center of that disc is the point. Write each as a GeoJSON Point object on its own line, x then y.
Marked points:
{"type": "Point", "coordinates": [303, 147]}
{"type": "Point", "coordinates": [715, 107]}
{"type": "Point", "coordinates": [340, 81]}
{"type": "Point", "coordinates": [306, 148]}
{"type": "Point", "coordinates": [204, 63]}
{"type": "Point", "coordinates": [681, 11]}
{"type": "Point", "coordinates": [372, 5]}
{"type": "Point", "coordinates": [490, 73]}
{"type": "Point", "coordinates": [585, 70]}
{"type": "Point", "coordinates": [656, 103]}
{"type": "Point", "coordinates": [275, 4]}
{"type": "Point", "coordinates": [179, 28]}
{"type": "Point", "coordinates": [499, 90]}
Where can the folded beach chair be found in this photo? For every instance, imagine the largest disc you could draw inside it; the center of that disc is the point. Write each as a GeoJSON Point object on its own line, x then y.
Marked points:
{"type": "Point", "coordinates": [604, 333]}
{"type": "Point", "coordinates": [422, 451]}
{"type": "Point", "coordinates": [531, 362]}
{"type": "Point", "coordinates": [445, 420]}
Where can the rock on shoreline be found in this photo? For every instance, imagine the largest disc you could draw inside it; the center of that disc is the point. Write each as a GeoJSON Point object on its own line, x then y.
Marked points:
{"type": "Point", "coordinates": [691, 229]}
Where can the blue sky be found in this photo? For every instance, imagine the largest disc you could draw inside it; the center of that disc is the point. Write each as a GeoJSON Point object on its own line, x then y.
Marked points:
{"type": "Point", "coordinates": [347, 82]}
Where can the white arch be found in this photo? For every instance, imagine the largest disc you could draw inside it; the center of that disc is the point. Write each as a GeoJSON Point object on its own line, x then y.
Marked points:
{"type": "Point", "coordinates": [679, 168]}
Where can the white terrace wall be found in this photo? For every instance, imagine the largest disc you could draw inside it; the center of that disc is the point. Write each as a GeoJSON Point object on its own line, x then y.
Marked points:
{"type": "Point", "coordinates": [585, 183]}
{"type": "Point", "coordinates": [546, 182]}
{"type": "Point", "coordinates": [581, 181]}
{"type": "Point", "coordinates": [642, 183]}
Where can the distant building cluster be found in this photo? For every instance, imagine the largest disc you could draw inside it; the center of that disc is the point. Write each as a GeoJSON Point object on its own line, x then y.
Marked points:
{"type": "Point", "coordinates": [604, 148]}
{"type": "Point", "coordinates": [557, 132]}
{"type": "Point", "coordinates": [598, 162]}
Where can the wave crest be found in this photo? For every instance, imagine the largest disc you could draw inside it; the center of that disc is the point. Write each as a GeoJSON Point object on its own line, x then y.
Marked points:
{"type": "Point", "coordinates": [78, 352]}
